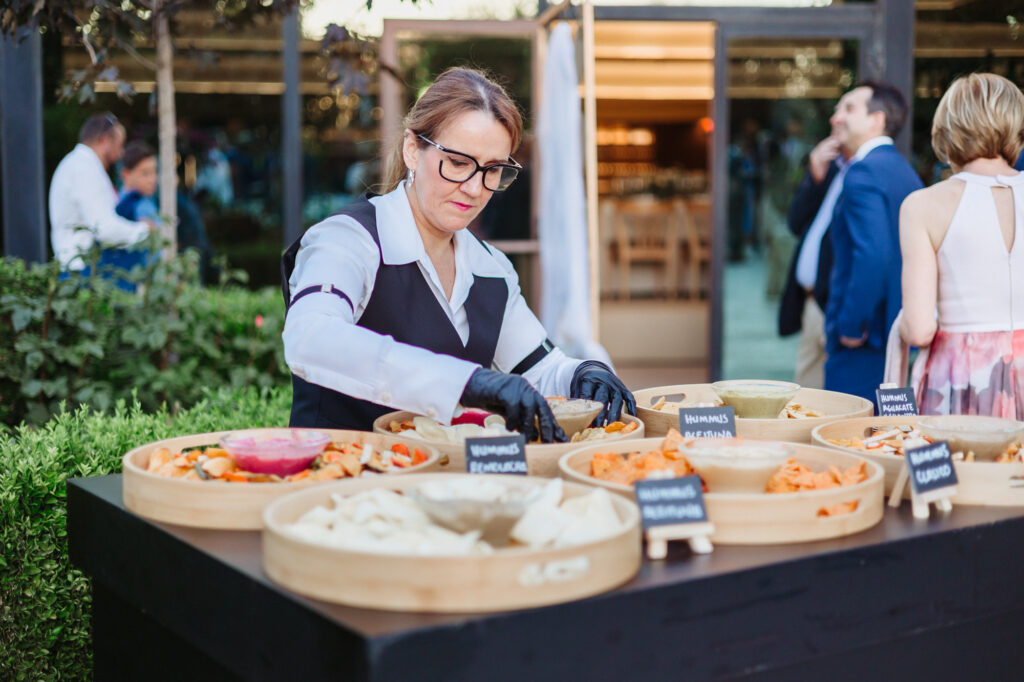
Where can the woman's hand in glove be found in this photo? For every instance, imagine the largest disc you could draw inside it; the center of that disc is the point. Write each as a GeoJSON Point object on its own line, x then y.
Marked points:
{"type": "Point", "coordinates": [595, 381]}
{"type": "Point", "coordinates": [514, 397]}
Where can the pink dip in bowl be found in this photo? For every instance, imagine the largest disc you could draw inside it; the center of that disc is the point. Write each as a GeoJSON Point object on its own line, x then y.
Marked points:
{"type": "Point", "coordinates": [472, 416]}
{"type": "Point", "coordinates": [275, 451]}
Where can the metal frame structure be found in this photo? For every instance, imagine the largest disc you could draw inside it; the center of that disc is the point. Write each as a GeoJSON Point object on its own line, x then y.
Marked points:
{"type": "Point", "coordinates": [396, 30]}
{"type": "Point", "coordinates": [21, 148]}
{"type": "Point", "coordinates": [884, 30]}
{"type": "Point", "coordinates": [291, 130]}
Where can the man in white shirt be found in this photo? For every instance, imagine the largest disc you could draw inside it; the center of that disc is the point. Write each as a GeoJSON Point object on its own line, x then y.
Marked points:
{"type": "Point", "coordinates": [83, 199]}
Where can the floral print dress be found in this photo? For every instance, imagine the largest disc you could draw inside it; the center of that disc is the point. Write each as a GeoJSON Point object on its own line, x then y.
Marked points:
{"type": "Point", "coordinates": [976, 361]}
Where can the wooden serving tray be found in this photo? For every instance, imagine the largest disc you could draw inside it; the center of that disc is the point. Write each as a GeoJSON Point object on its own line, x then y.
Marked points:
{"type": "Point", "coordinates": [511, 578]}
{"type": "Point", "coordinates": [541, 460]}
{"type": "Point", "coordinates": [981, 483]}
{"type": "Point", "coordinates": [763, 519]}
{"type": "Point", "coordinates": [832, 404]}
{"type": "Point", "coordinates": [216, 504]}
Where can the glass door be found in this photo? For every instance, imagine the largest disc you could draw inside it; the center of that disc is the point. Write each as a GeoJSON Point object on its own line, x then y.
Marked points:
{"type": "Point", "coordinates": [778, 96]}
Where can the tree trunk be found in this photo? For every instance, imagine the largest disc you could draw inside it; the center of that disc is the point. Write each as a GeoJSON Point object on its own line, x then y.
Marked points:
{"type": "Point", "coordinates": [166, 120]}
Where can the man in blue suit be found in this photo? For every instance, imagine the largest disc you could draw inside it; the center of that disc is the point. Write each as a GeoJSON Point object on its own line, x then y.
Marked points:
{"type": "Point", "coordinates": [864, 289]}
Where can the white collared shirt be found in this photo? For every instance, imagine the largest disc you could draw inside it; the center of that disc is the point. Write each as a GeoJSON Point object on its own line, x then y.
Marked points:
{"type": "Point", "coordinates": [324, 345]}
{"type": "Point", "coordinates": [807, 262]}
{"type": "Point", "coordinates": [82, 196]}
{"type": "Point", "coordinates": [870, 146]}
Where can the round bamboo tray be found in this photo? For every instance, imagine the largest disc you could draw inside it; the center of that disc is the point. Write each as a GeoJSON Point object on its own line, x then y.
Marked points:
{"type": "Point", "coordinates": [510, 578]}
{"type": "Point", "coordinates": [541, 459]}
{"type": "Point", "coordinates": [979, 483]}
{"type": "Point", "coordinates": [762, 518]}
{"type": "Point", "coordinates": [215, 504]}
{"type": "Point", "coordinates": [830, 403]}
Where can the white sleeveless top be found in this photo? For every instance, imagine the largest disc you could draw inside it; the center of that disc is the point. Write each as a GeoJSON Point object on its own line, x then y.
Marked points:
{"type": "Point", "coordinates": [981, 285]}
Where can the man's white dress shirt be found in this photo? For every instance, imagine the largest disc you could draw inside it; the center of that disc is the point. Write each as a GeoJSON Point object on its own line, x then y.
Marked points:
{"type": "Point", "coordinates": [324, 345]}
{"type": "Point", "coordinates": [83, 205]}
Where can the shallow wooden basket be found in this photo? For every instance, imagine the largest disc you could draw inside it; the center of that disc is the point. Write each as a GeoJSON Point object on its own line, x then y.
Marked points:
{"type": "Point", "coordinates": [541, 460]}
{"type": "Point", "coordinates": [510, 578]}
{"type": "Point", "coordinates": [220, 504]}
{"type": "Point", "coordinates": [979, 483]}
{"type": "Point", "coordinates": [830, 403]}
{"type": "Point", "coordinates": [763, 518]}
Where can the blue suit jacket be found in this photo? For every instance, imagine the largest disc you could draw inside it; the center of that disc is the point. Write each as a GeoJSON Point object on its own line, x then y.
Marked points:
{"type": "Point", "coordinates": [864, 291]}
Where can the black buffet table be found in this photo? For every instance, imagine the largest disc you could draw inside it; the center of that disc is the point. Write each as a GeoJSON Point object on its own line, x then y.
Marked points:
{"type": "Point", "coordinates": [907, 600]}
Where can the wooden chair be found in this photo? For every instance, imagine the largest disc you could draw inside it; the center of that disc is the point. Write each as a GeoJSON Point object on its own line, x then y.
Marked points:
{"type": "Point", "coordinates": [696, 244]}
{"type": "Point", "coordinates": [646, 231]}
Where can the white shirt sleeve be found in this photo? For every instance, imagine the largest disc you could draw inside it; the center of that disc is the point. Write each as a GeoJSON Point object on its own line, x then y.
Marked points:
{"type": "Point", "coordinates": [97, 202]}
{"type": "Point", "coordinates": [521, 333]}
{"type": "Point", "coordinates": [324, 345]}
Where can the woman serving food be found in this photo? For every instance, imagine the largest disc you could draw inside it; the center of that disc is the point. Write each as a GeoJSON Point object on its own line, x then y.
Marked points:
{"type": "Point", "coordinates": [393, 304]}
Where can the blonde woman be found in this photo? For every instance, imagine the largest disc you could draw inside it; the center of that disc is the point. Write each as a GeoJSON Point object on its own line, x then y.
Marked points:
{"type": "Point", "coordinates": [962, 242]}
{"type": "Point", "coordinates": [393, 304]}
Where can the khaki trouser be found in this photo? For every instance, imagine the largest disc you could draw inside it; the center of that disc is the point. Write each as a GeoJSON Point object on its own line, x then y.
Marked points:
{"type": "Point", "coordinates": [810, 353]}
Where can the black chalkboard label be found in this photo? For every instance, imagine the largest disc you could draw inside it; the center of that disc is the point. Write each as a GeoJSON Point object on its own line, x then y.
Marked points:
{"type": "Point", "coordinates": [896, 402]}
{"type": "Point", "coordinates": [707, 422]}
{"type": "Point", "coordinates": [930, 467]}
{"type": "Point", "coordinates": [496, 455]}
{"type": "Point", "coordinates": [668, 501]}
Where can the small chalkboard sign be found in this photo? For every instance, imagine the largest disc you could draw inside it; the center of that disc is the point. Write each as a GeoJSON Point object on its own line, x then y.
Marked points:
{"type": "Point", "coordinates": [673, 509]}
{"type": "Point", "coordinates": [666, 501]}
{"type": "Point", "coordinates": [896, 402]}
{"type": "Point", "coordinates": [931, 467]}
{"type": "Point", "coordinates": [496, 455]}
{"type": "Point", "coordinates": [707, 422]}
{"type": "Point", "coordinates": [932, 479]}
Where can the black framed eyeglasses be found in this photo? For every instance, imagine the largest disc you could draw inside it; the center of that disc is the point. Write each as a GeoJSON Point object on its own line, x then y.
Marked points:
{"type": "Point", "coordinates": [458, 167]}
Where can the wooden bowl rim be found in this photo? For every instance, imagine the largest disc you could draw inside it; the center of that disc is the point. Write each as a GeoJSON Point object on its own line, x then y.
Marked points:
{"type": "Point", "coordinates": [531, 448]}
{"type": "Point", "coordinates": [662, 390]}
{"type": "Point", "coordinates": [622, 506]}
{"type": "Point", "coordinates": [820, 441]}
{"type": "Point", "coordinates": [875, 473]}
{"type": "Point", "coordinates": [128, 464]}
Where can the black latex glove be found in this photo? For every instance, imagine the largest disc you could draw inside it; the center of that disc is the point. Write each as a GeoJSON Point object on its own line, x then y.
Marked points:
{"type": "Point", "coordinates": [512, 396]}
{"type": "Point", "coordinates": [595, 381]}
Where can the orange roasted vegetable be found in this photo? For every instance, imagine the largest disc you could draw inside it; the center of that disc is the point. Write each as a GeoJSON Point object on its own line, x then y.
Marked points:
{"type": "Point", "coordinates": [793, 477]}
{"type": "Point", "coordinates": [626, 469]}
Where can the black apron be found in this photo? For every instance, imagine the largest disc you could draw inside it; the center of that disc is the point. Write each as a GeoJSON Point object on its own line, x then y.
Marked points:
{"type": "Point", "coordinates": [404, 307]}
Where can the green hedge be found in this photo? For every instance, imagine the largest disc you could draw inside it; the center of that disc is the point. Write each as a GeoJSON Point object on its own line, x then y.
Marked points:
{"type": "Point", "coordinates": [85, 341]}
{"type": "Point", "coordinates": [44, 602]}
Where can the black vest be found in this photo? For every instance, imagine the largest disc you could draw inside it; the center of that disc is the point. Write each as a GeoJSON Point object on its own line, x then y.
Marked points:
{"type": "Point", "coordinates": [404, 307]}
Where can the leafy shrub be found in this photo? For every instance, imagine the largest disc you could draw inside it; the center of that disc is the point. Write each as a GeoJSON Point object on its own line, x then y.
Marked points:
{"type": "Point", "coordinates": [44, 601]}
{"type": "Point", "coordinates": [84, 340]}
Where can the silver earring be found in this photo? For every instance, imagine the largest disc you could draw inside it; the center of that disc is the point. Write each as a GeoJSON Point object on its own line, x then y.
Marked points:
{"type": "Point", "coordinates": [410, 176]}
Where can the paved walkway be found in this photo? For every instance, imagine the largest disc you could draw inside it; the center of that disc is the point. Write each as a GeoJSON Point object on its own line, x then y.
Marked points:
{"type": "Point", "coordinates": [753, 348]}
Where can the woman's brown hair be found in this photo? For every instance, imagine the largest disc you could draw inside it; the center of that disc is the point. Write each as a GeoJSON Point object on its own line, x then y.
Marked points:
{"type": "Point", "coordinates": [454, 92]}
{"type": "Point", "coordinates": [135, 152]}
{"type": "Point", "coordinates": [981, 116]}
